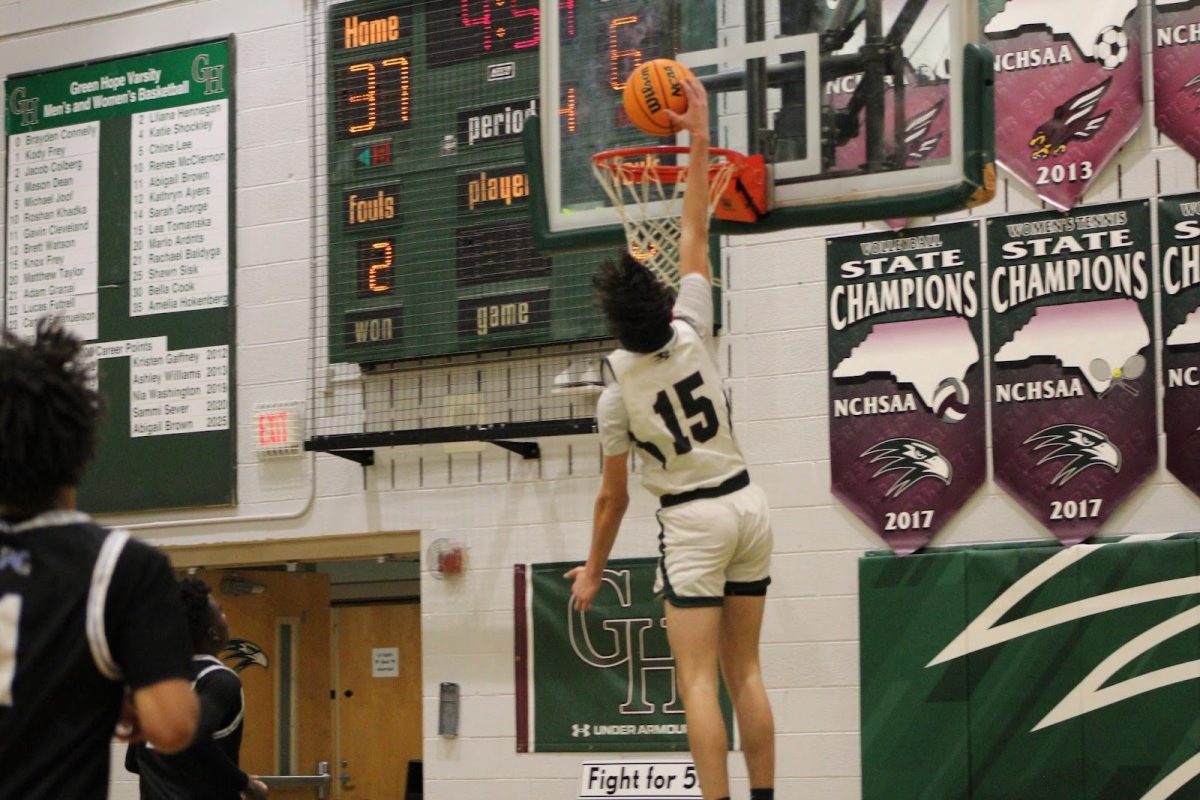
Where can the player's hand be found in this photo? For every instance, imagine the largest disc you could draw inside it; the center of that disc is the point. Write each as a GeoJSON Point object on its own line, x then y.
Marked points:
{"type": "Point", "coordinates": [585, 587]}
{"type": "Point", "coordinates": [128, 729]}
{"type": "Point", "coordinates": [695, 119]}
{"type": "Point", "coordinates": [255, 790]}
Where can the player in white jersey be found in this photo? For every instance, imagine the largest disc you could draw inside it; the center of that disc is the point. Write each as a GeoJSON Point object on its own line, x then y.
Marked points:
{"type": "Point", "coordinates": [664, 396]}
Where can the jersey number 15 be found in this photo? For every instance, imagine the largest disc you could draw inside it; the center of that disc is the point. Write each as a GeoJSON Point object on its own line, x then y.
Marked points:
{"type": "Point", "coordinates": [692, 406]}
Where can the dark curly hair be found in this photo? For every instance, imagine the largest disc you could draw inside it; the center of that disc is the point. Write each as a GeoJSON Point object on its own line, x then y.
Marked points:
{"type": "Point", "coordinates": [195, 594]}
{"type": "Point", "coordinates": [636, 305]}
{"type": "Point", "coordinates": [48, 417]}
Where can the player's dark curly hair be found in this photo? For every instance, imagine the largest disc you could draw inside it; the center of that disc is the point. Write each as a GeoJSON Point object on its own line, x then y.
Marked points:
{"type": "Point", "coordinates": [48, 417]}
{"type": "Point", "coordinates": [195, 593]}
{"type": "Point", "coordinates": [636, 305]}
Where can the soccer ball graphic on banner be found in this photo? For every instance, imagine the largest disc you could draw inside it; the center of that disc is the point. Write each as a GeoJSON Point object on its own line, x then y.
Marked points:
{"type": "Point", "coordinates": [1112, 47]}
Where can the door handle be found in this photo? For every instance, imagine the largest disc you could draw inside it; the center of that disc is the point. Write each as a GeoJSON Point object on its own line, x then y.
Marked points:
{"type": "Point", "coordinates": [320, 781]}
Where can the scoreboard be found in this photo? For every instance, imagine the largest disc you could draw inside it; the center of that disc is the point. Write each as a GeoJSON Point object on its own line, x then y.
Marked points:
{"type": "Point", "coordinates": [430, 243]}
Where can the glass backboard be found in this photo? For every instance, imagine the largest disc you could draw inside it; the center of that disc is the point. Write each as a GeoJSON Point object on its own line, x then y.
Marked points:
{"type": "Point", "coordinates": [863, 109]}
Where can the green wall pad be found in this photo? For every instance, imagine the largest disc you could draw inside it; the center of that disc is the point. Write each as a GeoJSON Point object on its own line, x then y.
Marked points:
{"type": "Point", "coordinates": [1032, 672]}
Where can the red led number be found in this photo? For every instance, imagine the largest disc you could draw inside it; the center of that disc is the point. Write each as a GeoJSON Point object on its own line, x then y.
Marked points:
{"type": "Point", "coordinates": [488, 18]}
{"type": "Point", "coordinates": [378, 272]}
{"type": "Point", "coordinates": [394, 75]}
{"type": "Point", "coordinates": [367, 97]}
{"type": "Point", "coordinates": [533, 40]}
{"type": "Point", "coordinates": [401, 63]}
{"type": "Point", "coordinates": [616, 69]}
{"type": "Point", "coordinates": [484, 19]}
{"type": "Point", "coordinates": [567, 110]}
{"type": "Point", "coordinates": [567, 27]}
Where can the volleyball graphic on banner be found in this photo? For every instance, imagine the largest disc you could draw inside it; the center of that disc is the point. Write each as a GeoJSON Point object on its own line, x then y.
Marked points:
{"type": "Point", "coordinates": [951, 399]}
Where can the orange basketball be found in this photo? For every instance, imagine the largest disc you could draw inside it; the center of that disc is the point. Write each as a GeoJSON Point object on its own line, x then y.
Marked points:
{"type": "Point", "coordinates": [651, 89]}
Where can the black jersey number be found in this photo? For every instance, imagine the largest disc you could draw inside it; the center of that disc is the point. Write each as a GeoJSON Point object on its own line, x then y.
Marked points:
{"type": "Point", "coordinates": [10, 616]}
{"type": "Point", "coordinates": [692, 405]}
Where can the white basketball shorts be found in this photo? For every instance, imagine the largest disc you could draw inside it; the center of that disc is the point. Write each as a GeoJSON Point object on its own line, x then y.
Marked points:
{"type": "Point", "coordinates": [715, 547]}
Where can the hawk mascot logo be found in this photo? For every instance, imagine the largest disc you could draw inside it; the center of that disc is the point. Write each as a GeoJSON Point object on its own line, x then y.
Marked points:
{"type": "Point", "coordinates": [243, 653]}
{"type": "Point", "coordinates": [1080, 446]}
{"type": "Point", "coordinates": [1074, 119]}
{"type": "Point", "coordinates": [916, 133]}
{"type": "Point", "coordinates": [1194, 85]}
{"type": "Point", "coordinates": [914, 459]}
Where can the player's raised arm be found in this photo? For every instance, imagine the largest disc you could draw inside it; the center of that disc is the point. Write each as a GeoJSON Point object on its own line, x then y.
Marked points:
{"type": "Point", "coordinates": [693, 240]}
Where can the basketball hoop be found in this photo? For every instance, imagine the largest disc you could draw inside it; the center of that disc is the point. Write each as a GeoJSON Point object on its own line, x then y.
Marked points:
{"type": "Point", "coordinates": [634, 178]}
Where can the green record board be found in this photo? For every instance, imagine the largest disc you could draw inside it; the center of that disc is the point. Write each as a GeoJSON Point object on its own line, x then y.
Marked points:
{"type": "Point", "coordinates": [119, 218]}
{"type": "Point", "coordinates": [431, 249]}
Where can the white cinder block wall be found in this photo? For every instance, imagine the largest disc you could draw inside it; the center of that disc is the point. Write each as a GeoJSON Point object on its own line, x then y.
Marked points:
{"type": "Point", "coordinates": [508, 510]}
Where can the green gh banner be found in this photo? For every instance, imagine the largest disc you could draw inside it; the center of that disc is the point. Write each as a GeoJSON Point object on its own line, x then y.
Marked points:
{"type": "Point", "coordinates": [1032, 672]}
{"type": "Point", "coordinates": [601, 681]}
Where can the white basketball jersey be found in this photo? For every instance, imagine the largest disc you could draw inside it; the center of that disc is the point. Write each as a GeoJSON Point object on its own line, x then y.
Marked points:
{"type": "Point", "coordinates": [678, 414]}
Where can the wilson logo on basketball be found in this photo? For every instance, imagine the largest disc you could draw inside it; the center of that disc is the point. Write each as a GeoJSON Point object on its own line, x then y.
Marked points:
{"type": "Point", "coordinates": [649, 92]}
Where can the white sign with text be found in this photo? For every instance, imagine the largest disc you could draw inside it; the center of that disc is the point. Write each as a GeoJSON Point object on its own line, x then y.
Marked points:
{"type": "Point", "coordinates": [385, 662]}
{"type": "Point", "coordinates": [639, 780]}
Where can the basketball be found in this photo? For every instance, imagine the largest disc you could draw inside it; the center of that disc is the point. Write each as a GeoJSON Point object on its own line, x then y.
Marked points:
{"type": "Point", "coordinates": [651, 89]}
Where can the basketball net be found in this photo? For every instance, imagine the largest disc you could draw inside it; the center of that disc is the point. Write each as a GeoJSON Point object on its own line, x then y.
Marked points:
{"type": "Point", "coordinates": [635, 179]}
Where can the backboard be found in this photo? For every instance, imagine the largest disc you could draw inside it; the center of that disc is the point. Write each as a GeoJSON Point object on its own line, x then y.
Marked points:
{"type": "Point", "coordinates": [863, 109]}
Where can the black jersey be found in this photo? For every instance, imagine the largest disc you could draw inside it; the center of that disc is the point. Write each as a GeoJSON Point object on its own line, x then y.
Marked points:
{"type": "Point", "coordinates": [84, 611]}
{"type": "Point", "coordinates": [208, 769]}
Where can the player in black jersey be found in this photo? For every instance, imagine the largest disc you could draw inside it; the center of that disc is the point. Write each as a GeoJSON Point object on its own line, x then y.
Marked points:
{"type": "Point", "coordinates": [84, 611]}
{"type": "Point", "coordinates": [208, 770]}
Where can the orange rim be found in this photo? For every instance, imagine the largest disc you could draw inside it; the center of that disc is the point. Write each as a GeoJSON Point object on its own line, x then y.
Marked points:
{"type": "Point", "coordinates": [614, 161]}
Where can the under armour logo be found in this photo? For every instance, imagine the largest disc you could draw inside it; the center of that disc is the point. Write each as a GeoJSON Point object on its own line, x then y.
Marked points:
{"type": "Point", "coordinates": [212, 77]}
{"type": "Point", "coordinates": [583, 731]}
{"type": "Point", "coordinates": [23, 107]}
{"type": "Point", "coordinates": [16, 560]}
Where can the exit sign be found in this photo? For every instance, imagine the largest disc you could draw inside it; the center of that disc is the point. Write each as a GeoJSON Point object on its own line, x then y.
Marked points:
{"type": "Point", "coordinates": [279, 429]}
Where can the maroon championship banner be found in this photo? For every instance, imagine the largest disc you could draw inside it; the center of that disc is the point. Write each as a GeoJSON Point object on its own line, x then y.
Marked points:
{"type": "Point", "coordinates": [1177, 72]}
{"type": "Point", "coordinates": [1071, 326]}
{"type": "Point", "coordinates": [1179, 265]}
{"type": "Point", "coordinates": [906, 433]}
{"type": "Point", "coordinates": [1068, 89]}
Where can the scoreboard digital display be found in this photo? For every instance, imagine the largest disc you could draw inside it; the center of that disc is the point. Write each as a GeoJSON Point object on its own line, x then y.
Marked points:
{"type": "Point", "coordinates": [463, 30]}
{"type": "Point", "coordinates": [430, 245]}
